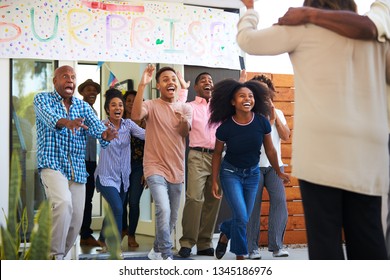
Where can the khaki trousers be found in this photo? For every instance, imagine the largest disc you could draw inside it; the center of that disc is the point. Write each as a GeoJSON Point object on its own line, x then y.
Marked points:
{"type": "Point", "coordinates": [67, 200]}
{"type": "Point", "coordinates": [201, 208]}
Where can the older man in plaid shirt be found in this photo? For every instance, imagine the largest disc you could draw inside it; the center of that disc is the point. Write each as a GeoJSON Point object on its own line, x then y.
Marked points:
{"type": "Point", "coordinates": [63, 122]}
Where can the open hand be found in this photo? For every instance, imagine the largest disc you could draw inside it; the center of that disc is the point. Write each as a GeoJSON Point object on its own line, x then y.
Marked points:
{"type": "Point", "coordinates": [147, 75]}
{"type": "Point", "coordinates": [109, 134]}
{"type": "Point", "coordinates": [75, 124]}
{"type": "Point", "coordinates": [183, 83]}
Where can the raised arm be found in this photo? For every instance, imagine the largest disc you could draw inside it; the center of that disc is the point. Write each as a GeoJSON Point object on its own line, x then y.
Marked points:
{"type": "Point", "coordinates": [147, 76]}
{"type": "Point", "coordinates": [345, 23]}
{"type": "Point", "coordinates": [183, 91]}
{"type": "Point", "coordinates": [243, 76]}
{"type": "Point", "coordinates": [249, 4]}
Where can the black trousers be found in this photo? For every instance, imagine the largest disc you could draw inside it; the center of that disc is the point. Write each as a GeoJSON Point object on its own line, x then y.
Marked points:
{"type": "Point", "coordinates": [86, 230]}
{"type": "Point", "coordinates": [330, 211]}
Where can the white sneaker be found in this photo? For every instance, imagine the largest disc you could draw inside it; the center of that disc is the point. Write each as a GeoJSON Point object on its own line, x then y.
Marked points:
{"type": "Point", "coordinates": [280, 253]}
{"type": "Point", "coordinates": [255, 255]}
{"type": "Point", "coordinates": [168, 259]}
{"type": "Point", "coordinates": [154, 255]}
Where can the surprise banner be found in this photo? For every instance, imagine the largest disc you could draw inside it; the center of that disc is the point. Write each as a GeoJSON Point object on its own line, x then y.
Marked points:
{"type": "Point", "coordinates": [143, 31]}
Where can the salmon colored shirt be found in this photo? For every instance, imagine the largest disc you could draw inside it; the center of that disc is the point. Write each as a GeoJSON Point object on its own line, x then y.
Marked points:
{"type": "Point", "coordinates": [164, 147]}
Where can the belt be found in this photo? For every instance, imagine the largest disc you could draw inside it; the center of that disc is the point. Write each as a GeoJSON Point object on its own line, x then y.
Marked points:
{"type": "Point", "coordinates": [203, 150]}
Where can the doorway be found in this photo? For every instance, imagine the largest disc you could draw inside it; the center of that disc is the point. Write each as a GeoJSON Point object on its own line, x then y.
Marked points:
{"type": "Point", "coordinates": [127, 75]}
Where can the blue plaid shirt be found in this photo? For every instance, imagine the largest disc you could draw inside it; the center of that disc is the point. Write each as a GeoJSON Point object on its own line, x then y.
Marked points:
{"type": "Point", "coordinates": [58, 148]}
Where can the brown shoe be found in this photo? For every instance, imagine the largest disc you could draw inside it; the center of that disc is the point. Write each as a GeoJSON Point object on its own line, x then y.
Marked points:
{"type": "Point", "coordinates": [90, 241]}
{"type": "Point", "coordinates": [131, 241]}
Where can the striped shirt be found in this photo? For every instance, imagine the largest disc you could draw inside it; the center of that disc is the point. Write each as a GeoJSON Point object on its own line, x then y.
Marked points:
{"type": "Point", "coordinates": [114, 165]}
{"type": "Point", "coordinates": [58, 148]}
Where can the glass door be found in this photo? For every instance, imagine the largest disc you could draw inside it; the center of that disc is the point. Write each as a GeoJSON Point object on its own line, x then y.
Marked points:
{"type": "Point", "coordinates": [128, 76]}
{"type": "Point", "coordinates": [29, 77]}
{"type": "Point", "coordinates": [85, 71]}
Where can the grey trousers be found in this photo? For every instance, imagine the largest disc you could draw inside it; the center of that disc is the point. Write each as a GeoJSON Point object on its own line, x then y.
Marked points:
{"type": "Point", "coordinates": [277, 213]}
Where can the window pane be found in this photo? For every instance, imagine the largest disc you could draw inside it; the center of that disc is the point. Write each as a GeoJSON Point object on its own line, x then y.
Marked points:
{"type": "Point", "coordinates": [85, 72]}
{"type": "Point", "coordinates": [28, 78]}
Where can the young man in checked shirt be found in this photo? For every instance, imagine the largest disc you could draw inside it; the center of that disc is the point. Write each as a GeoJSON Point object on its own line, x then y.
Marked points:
{"type": "Point", "coordinates": [63, 122]}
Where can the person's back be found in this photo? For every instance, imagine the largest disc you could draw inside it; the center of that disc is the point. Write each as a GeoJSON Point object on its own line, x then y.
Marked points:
{"type": "Point", "coordinates": [337, 95]}
{"type": "Point", "coordinates": [374, 25]}
{"type": "Point", "coordinates": [340, 153]}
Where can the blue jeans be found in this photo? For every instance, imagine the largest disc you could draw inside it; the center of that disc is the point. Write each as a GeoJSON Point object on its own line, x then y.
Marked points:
{"type": "Point", "coordinates": [166, 197]}
{"type": "Point", "coordinates": [239, 187]}
{"type": "Point", "coordinates": [115, 200]}
{"type": "Point", "coordinates": [132, 198]}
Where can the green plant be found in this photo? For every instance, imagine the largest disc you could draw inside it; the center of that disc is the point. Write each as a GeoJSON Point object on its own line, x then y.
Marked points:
{"type": "Point", "coordinates": [39, 249]}
{"type": "Point", "coordinates": [112, 235]}
{"type": "Point", "coordinates": [10, 240]}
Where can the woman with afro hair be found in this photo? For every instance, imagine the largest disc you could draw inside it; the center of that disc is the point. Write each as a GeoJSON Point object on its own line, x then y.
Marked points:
{"type": "Point", "coordinates": [241, 110]}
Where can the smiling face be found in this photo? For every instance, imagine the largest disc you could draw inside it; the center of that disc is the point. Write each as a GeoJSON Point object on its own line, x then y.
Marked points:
{"type": "Point", "coordinates": [65, 81]}
{"type": "Point", "coordinates": [115, 109]}
{"type": "Point", "coordinates": [243, 100]}
{"type": "Point", "coordinates": [89, 94]}
{"type": "Point", "coordinates": [204, 86]}
{"type": "Point", "coordinates": [167, 85]}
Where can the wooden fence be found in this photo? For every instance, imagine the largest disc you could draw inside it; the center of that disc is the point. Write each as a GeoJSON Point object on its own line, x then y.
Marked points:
{"type": "Point", "coordinates": [295, 230]}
